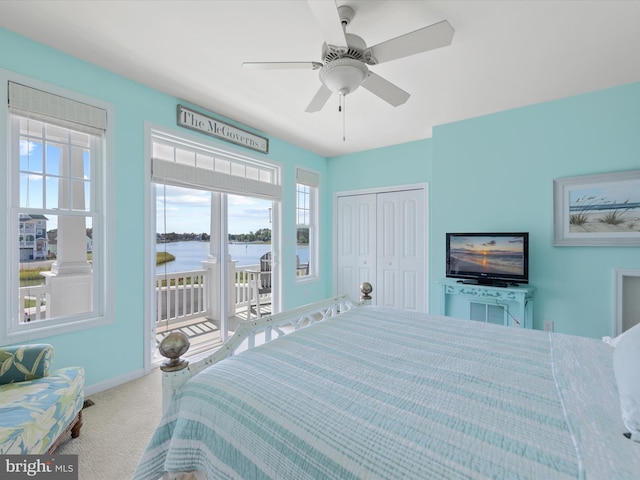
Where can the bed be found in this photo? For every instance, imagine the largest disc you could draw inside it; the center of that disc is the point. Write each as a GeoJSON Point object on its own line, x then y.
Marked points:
{"type": "Point", "coordinates": [367, 392]}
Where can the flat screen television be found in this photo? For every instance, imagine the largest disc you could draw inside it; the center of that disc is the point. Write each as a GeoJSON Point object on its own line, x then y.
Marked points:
{"type": "Point", "coordinates": [488, 258]}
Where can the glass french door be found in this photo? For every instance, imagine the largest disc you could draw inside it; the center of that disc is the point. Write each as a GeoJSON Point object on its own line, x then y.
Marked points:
{"type": "Point", "coordinates": [214, 267]}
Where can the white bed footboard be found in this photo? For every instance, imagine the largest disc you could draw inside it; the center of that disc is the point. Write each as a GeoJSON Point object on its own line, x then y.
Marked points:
{"type": "Point", "coordinates": [263, 330]}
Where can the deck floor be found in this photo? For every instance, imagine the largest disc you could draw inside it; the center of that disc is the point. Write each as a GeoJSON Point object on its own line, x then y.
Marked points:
{"type": "Point", "coordinates": [204, 334]}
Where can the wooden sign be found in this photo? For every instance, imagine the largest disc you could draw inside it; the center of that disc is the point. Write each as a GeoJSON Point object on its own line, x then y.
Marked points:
{"type": "Point", "coordinates": [204, 124]}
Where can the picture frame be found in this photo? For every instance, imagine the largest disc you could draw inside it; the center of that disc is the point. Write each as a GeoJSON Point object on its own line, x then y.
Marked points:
{"type": "Point", "coordinates": [597, 210]}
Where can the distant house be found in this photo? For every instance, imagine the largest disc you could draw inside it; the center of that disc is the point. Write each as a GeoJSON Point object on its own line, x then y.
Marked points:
{"type": "Point", "coordinates": [33, 237]}
{"type": "Point", "coordinates": [52, 242]}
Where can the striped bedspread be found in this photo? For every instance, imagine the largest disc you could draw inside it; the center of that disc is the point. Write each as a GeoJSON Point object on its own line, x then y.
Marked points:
{"type": "Point", "coordinates": [383, 394]}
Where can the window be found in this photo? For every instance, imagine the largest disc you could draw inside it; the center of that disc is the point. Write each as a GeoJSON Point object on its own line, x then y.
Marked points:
{"type": "Point", "coordinates": [192, 163]}
{"type": "Point", "coordinates": [189, 163]}
{"type": "Point", "coordinates": [56, 173]}
{"type": "Point", "coordinates": [306, 223]}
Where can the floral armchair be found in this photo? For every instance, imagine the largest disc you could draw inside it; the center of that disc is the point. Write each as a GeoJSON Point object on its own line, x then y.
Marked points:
{"type": "Point", "coordinates": [38, 408]}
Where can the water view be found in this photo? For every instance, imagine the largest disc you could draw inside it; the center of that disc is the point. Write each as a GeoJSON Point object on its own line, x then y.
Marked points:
{"type": "Point", "coordinates": [189, 255]}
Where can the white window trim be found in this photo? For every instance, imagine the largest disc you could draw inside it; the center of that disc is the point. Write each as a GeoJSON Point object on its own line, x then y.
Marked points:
{"type": "Point", "coordinates": [224, 150]}
{"type": "Point", "coordinates": [314, 252]}
{"type": "Point", "coordinates": [11, 331]}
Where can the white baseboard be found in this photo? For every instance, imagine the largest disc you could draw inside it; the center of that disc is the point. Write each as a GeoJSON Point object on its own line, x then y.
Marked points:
{"type": "Point", "coordinates": [112, 382]}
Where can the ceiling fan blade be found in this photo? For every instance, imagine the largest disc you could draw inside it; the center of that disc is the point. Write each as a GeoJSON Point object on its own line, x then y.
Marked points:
{"type": "Point", "coordinates": [384, 89]}
{"type": "Point", "coordinates": [428, 38]}
{"type": "Point", "coordinates": [320, 98]}
{"type": "Point", "coordinates": [328, 19]}
{"type": "Point", "coordinates": [282, 65]}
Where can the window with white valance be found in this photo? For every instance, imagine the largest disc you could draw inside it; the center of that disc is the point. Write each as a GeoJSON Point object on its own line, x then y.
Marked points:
{"type": "Point", "coordinates": [181, 162]}
{"type": "Point", "coordinates": [58, 179]}
{"type": "Point", "coordinates": [222, 174]}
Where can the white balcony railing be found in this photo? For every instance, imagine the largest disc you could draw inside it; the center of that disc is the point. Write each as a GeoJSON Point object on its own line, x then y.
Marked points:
{"type": "Point", "coordinates": [183, 295]}
{"type": "Point", "coordinates": [33, 302]}
{"type": "Point", "coordinates": [179, 296]}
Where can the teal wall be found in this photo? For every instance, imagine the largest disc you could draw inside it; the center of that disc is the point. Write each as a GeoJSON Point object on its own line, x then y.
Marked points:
{"type": "Point", "coordinates": [402, 164]}
{"type": "Point", "coordinates": [495, 173]}
{"type": "Point", "coordinates": [115, 351]}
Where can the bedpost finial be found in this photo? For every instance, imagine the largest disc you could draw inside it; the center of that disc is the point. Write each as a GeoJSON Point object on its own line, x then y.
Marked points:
{"type": "Point", "coordinates": [366, 288]}
{"type": "Point", "coordinates": [171, 347]}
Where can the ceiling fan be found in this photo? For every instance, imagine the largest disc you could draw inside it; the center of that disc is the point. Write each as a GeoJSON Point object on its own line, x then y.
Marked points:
{"type": "Point", "coordinates": [345, 56]}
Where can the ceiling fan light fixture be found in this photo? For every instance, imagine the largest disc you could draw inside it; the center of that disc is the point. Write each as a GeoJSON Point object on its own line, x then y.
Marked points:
{"type": "Point", "coordinates": [344, 75]}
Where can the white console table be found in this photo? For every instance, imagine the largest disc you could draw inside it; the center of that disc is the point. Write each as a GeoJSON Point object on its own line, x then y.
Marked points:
{"type": "Point", "coordinates": [512, 305]}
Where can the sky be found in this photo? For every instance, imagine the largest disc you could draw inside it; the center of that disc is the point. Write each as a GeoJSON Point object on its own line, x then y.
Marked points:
{"type": "Point", "coordinates": [188, 211]}
{"type": "Point", "coordinates": [618, 192]}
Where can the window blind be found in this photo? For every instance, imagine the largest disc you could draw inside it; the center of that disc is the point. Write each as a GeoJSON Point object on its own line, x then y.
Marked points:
{"type": "Point", "coordinates": [305, 177]}
{"type": "Point", "coordinates": [179, 174]}
{"type": "Point", "coordinates": [181, 161]}
{"type": "Point", "coordinates": [47, 107]}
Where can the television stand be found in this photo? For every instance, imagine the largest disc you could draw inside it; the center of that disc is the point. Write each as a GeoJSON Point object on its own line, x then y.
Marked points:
{"type": "Point", "coordinates": [505, 304]}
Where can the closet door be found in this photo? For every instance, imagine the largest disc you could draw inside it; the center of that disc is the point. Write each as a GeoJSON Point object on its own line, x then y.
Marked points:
{"type": "Point", "coordinates": [356, 243]}
{"type": "Point", "coordinates": [400, 225]}
{"type": "Point", "coordinates": [381, 238]}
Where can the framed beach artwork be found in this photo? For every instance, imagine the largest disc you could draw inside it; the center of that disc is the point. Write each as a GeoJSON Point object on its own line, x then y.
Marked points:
{"type": "Point", "coordinates": [600, 210]}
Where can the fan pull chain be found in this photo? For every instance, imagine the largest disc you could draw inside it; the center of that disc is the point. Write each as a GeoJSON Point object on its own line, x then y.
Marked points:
{"type": "Point", "coordinates": [344, 116]}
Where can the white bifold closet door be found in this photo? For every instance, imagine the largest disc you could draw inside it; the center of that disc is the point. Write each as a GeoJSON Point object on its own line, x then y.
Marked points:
{"type": "Point", "coordinates": [381, 240]}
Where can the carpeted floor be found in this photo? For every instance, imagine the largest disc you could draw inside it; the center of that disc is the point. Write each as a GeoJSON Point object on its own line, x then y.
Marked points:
{"type": "Point", "coordinates": [116, 429]}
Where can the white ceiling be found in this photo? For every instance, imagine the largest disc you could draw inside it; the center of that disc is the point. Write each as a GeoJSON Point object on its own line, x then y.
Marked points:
{"type": "Point", "coordinates": [505, 54]}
